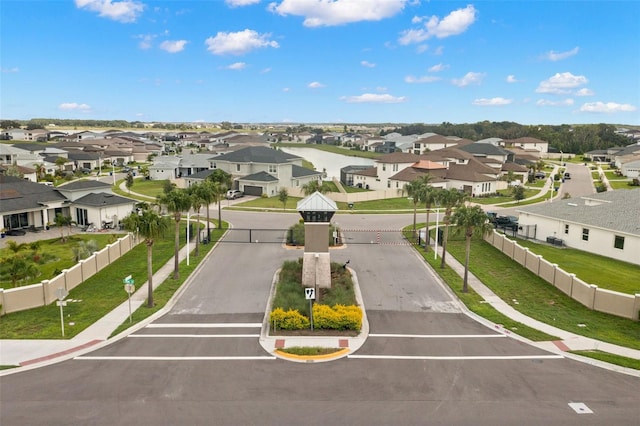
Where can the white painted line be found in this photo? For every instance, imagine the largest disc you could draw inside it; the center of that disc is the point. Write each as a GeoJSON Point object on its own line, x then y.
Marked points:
{"type": "Point", "coordinates": [580, 408]}
{"type": "Point", "coordinates": [205, 325]}
{"type": "Point", "coordinates": [456, 358]}
{"type": "Point", "coordinates": [174, 358]}
{"type": "Point", "coordinates": [439, 336]}
{"type": "Point", "coordinates": [195, 335]}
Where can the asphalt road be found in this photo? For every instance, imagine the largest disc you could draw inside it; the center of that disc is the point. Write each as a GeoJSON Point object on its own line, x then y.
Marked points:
{"type": "Point", "coordinates": [424, 362]}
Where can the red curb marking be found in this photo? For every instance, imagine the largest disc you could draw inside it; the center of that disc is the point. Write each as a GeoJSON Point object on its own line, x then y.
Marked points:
{"type": "Point", "coordinates": [343, 343]}
{"type": "Point", "coordinates": [279, 343]}
{"type": "Point", "coordinates": [560, 344]}
{"type": "Point", "coordinates": [58, 354]}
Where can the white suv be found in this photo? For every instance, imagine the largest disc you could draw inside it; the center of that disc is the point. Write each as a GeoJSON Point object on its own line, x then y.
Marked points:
{"type": "Point", "coordinates": [233, 194]}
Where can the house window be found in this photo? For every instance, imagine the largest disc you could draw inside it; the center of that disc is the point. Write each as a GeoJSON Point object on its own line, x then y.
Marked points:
{"type": "Point", "coordinates": [566, 229]}
{"type": "Point", "coordinates": [384, 167]}
{"type": "Point", "coordinates": [237, 167]}
{"type": "Point", "coordinates": [213, 165]}
{"type": "Point", "coordinates": [388, 184]}
{"type": "Point", "coordinates": [395, 167]}
{"type": "Point", "coordinates": [273, 168]}
{"type": "Point", "coordinates": [585, 234]}
{"type": "Point", "coordinates": [618, 242]}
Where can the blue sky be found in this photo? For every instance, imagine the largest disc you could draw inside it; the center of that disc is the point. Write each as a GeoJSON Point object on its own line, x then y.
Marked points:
{"type": "Point", "coordinates": [321, 61]}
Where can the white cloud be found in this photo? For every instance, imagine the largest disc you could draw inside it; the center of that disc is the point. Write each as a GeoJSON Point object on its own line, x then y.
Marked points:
{"type": "Point", "coordinates": [439, 51]}
{"type": "Point", "coordinates": [265, 71]}
{"type": "Point", "coordinates": [561, 83]}
{"type": "Point", "coordinates": [173, 46]}
{"type": "Point", "coordinates": [585, 92]}
{"type": "Point", "coordinates": [608, 107]}
{"type": "Point", "coordinates": [73, 106]}
{"type": "Point", "coordinates": [469, 78]}
{"type": "Point", "coordinates": [315, 85]}
{"type": "Point", "coordinates": [145, 41]}
{"type": "Point", "coordinates": [454, 23]}
{"type": "Point", "coordinates": [492, 102]}
{"type": "Point", "coordinates": [238, 43]}
{"type": "Point", "coordinates": [240, 3]}
{"type": "Point", "coordinates": [424, 79]}
{"type": "Point", "coordinates": [367, 64]}
{"type": "Point", "coordinates": [125, 11]}
{"type": "Point", "coordinates": [236, 66]}
{"type": "Point", "coordinates": [10, 70]}
{"type": "Point", "coordinates": [512, 79]}
{"type": "Point", "coordinates": [438, 68]}
{"type": "Point", "coordinates": [374, 98]}
{"type": "Point", "coordinates": [286, 89]}
{"type": "Point", "coordinates": [558, 56]}
{"type": "Point", "coordinates": [422, 48]}
{"type": "Point", "coordinates": [546, 102]}
{"type": "Point", "coordinates": [319, 13]}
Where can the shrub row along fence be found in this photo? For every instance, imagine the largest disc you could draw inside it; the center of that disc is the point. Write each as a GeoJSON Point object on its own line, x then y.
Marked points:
{"type": "Point", "coordinates": [45, 292]}
{"type": "Point", "coordinates": [590, 295]}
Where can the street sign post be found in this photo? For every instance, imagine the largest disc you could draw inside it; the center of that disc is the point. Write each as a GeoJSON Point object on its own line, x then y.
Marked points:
{"type": "Point", "coordinates": [61, 293]}
{"type": "Point", "coordinates": [310, 295]}
{"type": "Point", "coordinates": [130, 288]}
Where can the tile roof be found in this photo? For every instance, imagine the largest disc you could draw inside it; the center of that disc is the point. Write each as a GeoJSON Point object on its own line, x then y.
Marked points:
{"type": "Point", "coordinates": [317, 202]}
{"type": "Point", "coordinates": [298, 171]}
{"type": "Point", "coordinates": [84, 184]}
{"type": "Point", "coordinates": [103, 199]}
{"type": "Point", "coordinates": [260, 177]}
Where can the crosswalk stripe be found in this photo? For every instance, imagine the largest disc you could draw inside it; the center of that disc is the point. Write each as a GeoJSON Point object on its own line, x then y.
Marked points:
{"type": "Point", "coordinates": [206, 325]}
{"type": "Point", "coordinates": [174, 358]}
{"type": "Point", "coordinates": [439, 336]}
{"type": "Point", "coordinates": [195, 335]}
{"type": "Point", "coordinates": [456, 358]}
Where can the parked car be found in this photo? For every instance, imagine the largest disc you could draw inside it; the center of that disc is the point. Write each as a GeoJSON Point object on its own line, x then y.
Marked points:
{"type": "Point", "coordinates": [84, 170]}
{"type": "Point", "coordinates": [232, 194]}
{"type": "Point", "coordinates": [567, 175]}
{"type": "Point", "coordinates": [506, 222]}
{"type": "Point", "coordinates": [540, 175]}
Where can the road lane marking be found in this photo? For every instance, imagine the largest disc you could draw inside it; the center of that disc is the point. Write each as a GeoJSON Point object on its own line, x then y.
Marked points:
{"type": "Point", "coordinates": [195, 335]}
{"type": "Point", "coordinates": [456, 358]}
{"type": "Point", "coordinates": [439, 336]}
{"type": "Point", "coordinates": [174, 358]}
{"type": "Point", "coordinates": [206, 325]}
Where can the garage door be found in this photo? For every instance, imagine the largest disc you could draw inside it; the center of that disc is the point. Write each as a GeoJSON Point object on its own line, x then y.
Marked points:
{"type": "Point", "coordinates": [252, 190]}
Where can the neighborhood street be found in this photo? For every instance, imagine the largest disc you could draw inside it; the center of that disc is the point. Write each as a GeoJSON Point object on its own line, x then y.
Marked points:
{"type": "Point", "coordinates": [424, 362]}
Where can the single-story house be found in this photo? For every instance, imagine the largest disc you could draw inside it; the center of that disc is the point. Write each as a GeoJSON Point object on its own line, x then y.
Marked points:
{"type": "Point", "coordinates": [607, 223]}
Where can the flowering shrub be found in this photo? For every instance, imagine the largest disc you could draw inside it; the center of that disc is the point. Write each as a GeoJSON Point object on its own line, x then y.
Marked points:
{"type": "Point", "coordinates": [288, 320]}
{"type": "Point", "coordinates": [339, 317]}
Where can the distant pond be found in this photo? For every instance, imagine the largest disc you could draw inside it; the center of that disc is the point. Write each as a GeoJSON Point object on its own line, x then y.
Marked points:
{"type": "Point", "coordinates": [328, 160]}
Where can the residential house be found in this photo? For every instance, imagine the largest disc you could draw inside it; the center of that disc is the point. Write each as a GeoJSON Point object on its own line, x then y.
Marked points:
{"type": "Point", "coordinates": [258, 170]}
{"type": "Point", "coordinates": [527, 144]}
{"type": "Point", "coordinates": [607, 223]}
{"type": "Point", "coordinates": [26, 204]}
{"type": "Point", "coordinates": [93, 201]}
{"type": "Point", "coordinates": [433, 142]}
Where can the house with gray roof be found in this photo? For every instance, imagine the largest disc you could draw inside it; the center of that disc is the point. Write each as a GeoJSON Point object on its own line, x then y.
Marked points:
{"type": "Point", "coordinates": [258, 170]}
{"type": "Point", "coordinates": [607, 223]}
{"type": "Point", "coordinates": [24, 204]}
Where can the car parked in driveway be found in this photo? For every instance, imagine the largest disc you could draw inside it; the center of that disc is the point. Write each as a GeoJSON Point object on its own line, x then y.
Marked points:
{"type": "Point", "coordinates": [506, 222]}
{"type": "Point", "coordinates": [232, 194]}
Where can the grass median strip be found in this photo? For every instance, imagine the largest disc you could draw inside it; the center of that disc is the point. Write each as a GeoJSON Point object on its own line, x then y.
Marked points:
{"type": "Point", "coordinates": [622, 361]}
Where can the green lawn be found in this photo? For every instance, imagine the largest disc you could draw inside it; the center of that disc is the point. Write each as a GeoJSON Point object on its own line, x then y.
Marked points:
{"type": "Point", "coordinates": [540, 300]}
{"type": "Point", "coordinates": [354, 189]}
{"type": "Point", "coordinates": [271, 203]}
{"type": "Point", "coordinates": [621, 184]}
{"type": "Point", "coordinates": [151, 188]}
{"type": "Point", "coordinates": [331, 148]}
{"type": "Point", "coordinates": [599, 270]}
{"type": "Point", "coordinates": [53, 255]}
{"type": "Point", "coordinates": [611, 175]}
{"type": "Point", "coordinates": [611, 358]}
{"type": "Point", "coordinates": [504, 196]}
{"type": "Point", "coordinates": [595, 175]}
{"type": "Point", "coordinates": [94, 298]}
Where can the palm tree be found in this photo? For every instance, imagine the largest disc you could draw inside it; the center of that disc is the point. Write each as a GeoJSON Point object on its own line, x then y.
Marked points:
{"type": "Point", "coordinates": [151, 226]}
{"type": "Point", "coordinates": [176, 202]}
{"type": "Point", "coordinates": [415, 189]}
{"type": "Point", "coordinates": [41, 170]}
{"type": "Point", "coordinates": [196, 204]}
{"type": "Point", "coordinates": [315, 185]}
{"type": "Point", "coordinates": [15, 247]}
{"type": "Point", "coordinates": [207, 193]}
{"type": "Point", "coordinates": [60, 220]}
{"type": "Point", "coordinates": [222, 182]}
{"type": "Point", "coordinates": [19, 268]}
{"type": "Point", "coordinates": [472, 221]}
{"type": "Point", "coordinates": [449, 199]}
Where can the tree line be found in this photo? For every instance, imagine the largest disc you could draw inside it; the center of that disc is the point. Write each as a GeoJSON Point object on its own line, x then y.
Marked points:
{"type": "Point", "coordinates": [574, 139]}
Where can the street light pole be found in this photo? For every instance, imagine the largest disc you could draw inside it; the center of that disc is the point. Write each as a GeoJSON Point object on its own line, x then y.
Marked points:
{"type": "Point", "coordinates": [435, 244]}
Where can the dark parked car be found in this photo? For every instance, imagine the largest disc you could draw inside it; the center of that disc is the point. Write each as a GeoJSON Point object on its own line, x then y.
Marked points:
{"type": "Point", "coordinates": [506, 222]}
